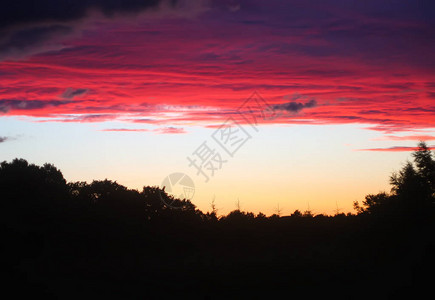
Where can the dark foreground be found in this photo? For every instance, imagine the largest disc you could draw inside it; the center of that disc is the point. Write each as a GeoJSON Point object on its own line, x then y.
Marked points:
{"type": "Point", "coordinates": [333, 256]}
{"type": "Point", "coordinates": [102, 240]}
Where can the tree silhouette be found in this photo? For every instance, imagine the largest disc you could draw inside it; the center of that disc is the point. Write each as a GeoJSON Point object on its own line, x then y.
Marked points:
{"type": "Point", "coordinates": [425, 163]}
{"type": "Point", "coordinates": [29, 192]}
{"type": "Point", "coordinates": [373, 203]}
{"type": "Point", "coordinates": [412, 191]}
{"type": "Point", "coordinates": [296, 213]}
{"type": "Point", "coordinates": [99, 237]}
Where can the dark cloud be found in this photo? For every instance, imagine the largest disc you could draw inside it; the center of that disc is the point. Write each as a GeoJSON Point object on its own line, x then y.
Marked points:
{"type": "Point", "coordinates": [91, 118]}
{"type": "Point", "coordinates": [7, 105]}
{"type": "Point", "coordinates": [370, 30]}
{"type": "Point", "coordinates": [421, 109]}
{"type": "Point", "coordinates": [371, 112]}
{"type": "Point", "coordinates": [295, 107]}
{"type": "Point", "coordinates": [24, 12]}
{"type": "Point", "coordinates": [33, 40]}
{"type": "Point", "coordinates": [71, 93]}
{"type": "Point", "coordinates": [145, 120]}
{"type": "Point", "coordinates": [29, 27]}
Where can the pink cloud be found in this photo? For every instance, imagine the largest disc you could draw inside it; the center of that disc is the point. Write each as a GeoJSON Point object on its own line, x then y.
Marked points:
{"type": "Point", "coordinates": [183, 72]}
{"type": "Point", "coordinates": [170, 130]}
{"type": "Point", "coordinates": [407, 138]}
{"type": "Point", "coordinates": [395, 149]}
{"type": "Point", "coordinates": [161, 130]}
{"type": "Point", "coordinates": [125, 130]}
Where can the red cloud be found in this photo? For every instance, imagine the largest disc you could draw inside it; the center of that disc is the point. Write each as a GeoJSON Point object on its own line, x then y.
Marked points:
{"type": "Point", "coordinates": [395, 149]}
{"type": "Point", "coordinates": [176, 73]}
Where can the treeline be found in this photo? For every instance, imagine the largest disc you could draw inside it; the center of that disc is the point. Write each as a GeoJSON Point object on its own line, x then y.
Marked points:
{"type": "Point", "coordinates": [101, 239]}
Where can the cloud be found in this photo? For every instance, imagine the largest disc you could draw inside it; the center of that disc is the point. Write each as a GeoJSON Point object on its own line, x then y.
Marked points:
{"type": "Point", "coordinates": [407, 138]}
{"type": "Point", "coordinates": [126, 130]}
{"type": "Point", "coordinates": [176, 65]}
{"type": "Point", "coordinates": [89, 118]}
{"type": "Point", "coordinates": [71, 93]}
{"type": "Point", "coordinates": [170, 130]}
{"type": "Point", "coordinates": [17, 13]}
{"type": "Point", "coordinates": [7, 105]}
{"type": "Point", "coordinates": [162, 130]}
{"type": "Point", "coordinates": [28, 27]}
{"type": "Point", "coordinates": [234, 7]}
{"type": "Point", "coordinates": [33, 40]}
{"type": "Point", "coordinates": [295, 107]}
{"type": "Point", "coordinates": [3, 139]}
{"type": "Point", "coordinates": [395, 149]}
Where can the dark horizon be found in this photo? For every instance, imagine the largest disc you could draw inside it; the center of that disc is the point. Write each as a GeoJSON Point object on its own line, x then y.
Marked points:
{"type": "Point", "coordinates": [101, 239]}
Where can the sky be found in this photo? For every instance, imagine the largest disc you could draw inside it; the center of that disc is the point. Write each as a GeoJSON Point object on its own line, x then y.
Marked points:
{"type": "Point", "coordinates": [269, 104]}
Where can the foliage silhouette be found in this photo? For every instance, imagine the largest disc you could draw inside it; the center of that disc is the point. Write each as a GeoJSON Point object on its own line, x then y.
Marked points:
{"type": "Point", "coordinates": [101, 239]}
{"type": "Point", "coordinates": [412, 192]}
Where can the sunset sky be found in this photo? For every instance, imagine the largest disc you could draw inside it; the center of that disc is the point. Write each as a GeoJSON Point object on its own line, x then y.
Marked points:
{"type": "Point", "coordinates": [341, 91]}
